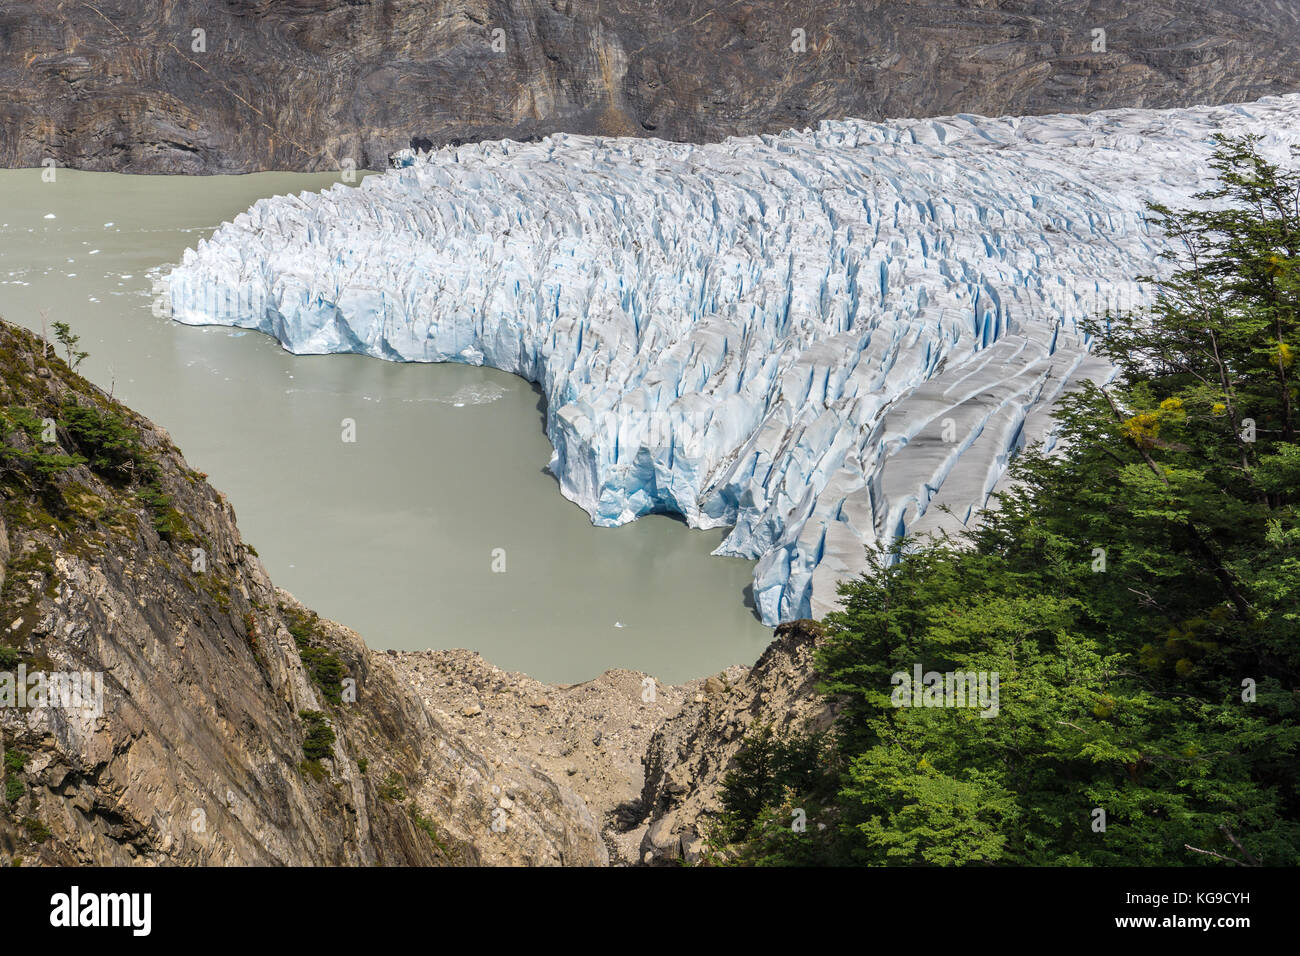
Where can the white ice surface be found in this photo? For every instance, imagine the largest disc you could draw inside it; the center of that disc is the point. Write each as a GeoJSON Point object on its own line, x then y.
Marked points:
{"type": "Point", "coordinates": [818, 338]}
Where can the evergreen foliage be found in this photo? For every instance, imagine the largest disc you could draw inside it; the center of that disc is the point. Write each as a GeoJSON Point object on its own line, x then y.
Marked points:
{"type": "Point", "coordinates": [1136, 592]}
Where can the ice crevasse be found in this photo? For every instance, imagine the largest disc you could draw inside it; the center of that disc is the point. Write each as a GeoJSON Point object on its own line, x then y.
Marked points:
{"type": "Point", "coordinates": [819, 339]}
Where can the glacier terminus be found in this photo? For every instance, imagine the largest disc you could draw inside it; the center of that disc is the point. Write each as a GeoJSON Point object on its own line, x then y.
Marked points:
{"type": "Point", "coordinates": [822, 339]}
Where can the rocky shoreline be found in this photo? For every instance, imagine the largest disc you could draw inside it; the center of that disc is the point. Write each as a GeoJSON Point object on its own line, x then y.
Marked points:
{"type": "Point", "coordinates": [588, 738]}
{"type": "Point", "coordinates": [645, 759]}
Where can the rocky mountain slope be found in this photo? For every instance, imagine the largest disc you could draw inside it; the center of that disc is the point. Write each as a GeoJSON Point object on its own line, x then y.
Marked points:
{"type": "Point", "coordinates": [591, 738]}
{"type": "Point", "coordinates": [691, 751]}
{"type": "Point", "coordinates": [223, 723]}
{"type": "Point", "coordinates": [235, 727]}
{"type": "Point", "coordinates": [130, 85]}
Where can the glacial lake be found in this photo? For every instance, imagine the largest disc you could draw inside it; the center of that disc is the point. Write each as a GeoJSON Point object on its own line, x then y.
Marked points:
{"type": "Point", "coordinates": [395, 535]}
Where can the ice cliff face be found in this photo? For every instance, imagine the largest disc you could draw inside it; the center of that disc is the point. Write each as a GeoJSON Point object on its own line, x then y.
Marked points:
{"type": "Point", "coordinates": [819, 338]}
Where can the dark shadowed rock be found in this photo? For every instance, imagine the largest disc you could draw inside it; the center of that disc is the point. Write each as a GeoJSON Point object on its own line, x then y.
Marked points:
{"type": "Point", "coordinates": [316, 84]}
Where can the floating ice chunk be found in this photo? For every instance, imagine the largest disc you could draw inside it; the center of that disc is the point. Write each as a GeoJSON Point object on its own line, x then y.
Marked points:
{"type": "Point", "coordinates": [821, 339]}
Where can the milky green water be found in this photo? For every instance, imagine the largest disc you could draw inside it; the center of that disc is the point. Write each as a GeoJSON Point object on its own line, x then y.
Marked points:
{"type": "Point", "coordinates": [397, 534]}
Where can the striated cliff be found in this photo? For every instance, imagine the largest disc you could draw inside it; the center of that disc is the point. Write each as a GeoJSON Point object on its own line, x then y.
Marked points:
{"type": "Point", "coordinates": [316, 84]}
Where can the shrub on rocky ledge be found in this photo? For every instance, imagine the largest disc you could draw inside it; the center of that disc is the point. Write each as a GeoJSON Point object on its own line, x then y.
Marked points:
{"type": "Point", "coordinates": [319, 741]}
{"type": "Point", "coordinates": [327, 670]}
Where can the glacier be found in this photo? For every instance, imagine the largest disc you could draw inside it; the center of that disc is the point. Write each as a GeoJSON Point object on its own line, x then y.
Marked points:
{"type": "Point", "coordinates": [822, 339]}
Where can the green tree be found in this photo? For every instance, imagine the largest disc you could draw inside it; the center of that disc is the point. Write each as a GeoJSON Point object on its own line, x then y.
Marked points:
{"type": "Point", "coordinates": [1136, 593]}
{"type": "Point", "coordinates": [319, 737]}
{"type": "Point", "coordinates": [63, 333]}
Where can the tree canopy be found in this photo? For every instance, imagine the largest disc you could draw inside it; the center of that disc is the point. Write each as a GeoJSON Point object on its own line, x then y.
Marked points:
{"type": "Point", "coordinates": [1135, 591]}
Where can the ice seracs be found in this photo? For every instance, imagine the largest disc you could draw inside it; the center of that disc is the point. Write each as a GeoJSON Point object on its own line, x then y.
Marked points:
{"type": "Point", "coordinates": [823, 338]}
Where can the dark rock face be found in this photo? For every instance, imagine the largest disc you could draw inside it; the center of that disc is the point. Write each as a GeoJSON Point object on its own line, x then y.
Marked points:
{"type": "Point", "coordinates": [318, 84]}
